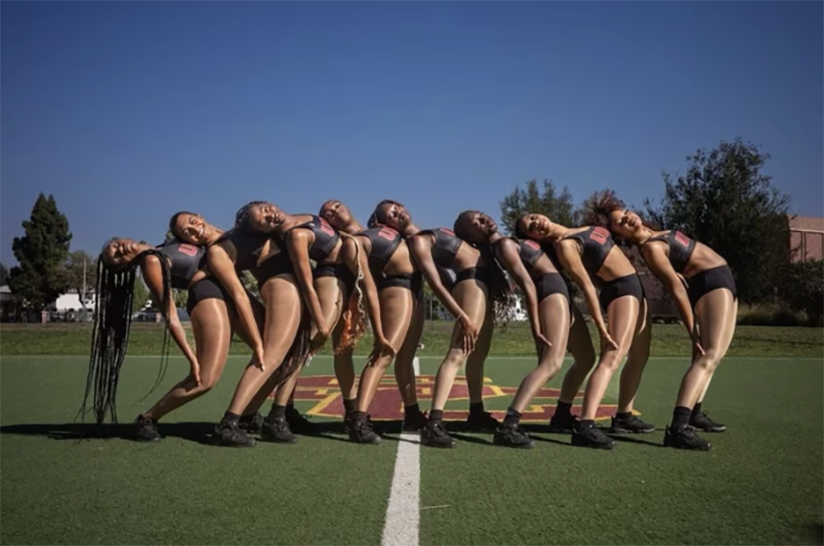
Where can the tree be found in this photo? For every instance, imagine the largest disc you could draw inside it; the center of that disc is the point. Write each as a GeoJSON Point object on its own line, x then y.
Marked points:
{"type": "Point", "coordinates": [141, 294]}
{"type": "Point", "coordinates": [41, 252]}
{"type": "Point", "coordinates": [250, 282]}
{"type": "Point", "coordinates": [724, 201]}
{"type": "Point", "coordinates": [803, 289]}
{"type": "Point", "coordinates": [4, 274]}
{"type": "Point", "coordinates": [81, 272]}
{"type": "Point", "coordinates": [558, 206]}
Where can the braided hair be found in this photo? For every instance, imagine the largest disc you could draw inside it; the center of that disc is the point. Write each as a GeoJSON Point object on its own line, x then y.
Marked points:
{"type": "Point", "coordinates": [501, 293]}
{"type": "Point", "coordinates": [110, 334]}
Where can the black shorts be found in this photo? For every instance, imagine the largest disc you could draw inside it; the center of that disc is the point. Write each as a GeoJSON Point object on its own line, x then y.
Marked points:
{"type": "Point", "coordinates": [404, 280]}
{"type": "Point", "coordinates": [417, 287]}
{"type": "Point", "coordinates": [274, 266]}
{"type": "Point", "coordinates": [549, 284]}
{"type": "Point", "coordinates": [623, 286]}
{"type": "Point", "coordinates": [481, 274]}
{"type": "Point", "coordinates": [339, 271]}
{"type": "Point", "coordinates": [712, 279]}
{"type": "Point", "coordinates": [207, 288]}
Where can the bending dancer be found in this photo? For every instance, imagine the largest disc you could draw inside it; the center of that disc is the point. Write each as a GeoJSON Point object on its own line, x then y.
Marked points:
{"type": "Point", "coordinates": [550, 313]}
{"type": "Point", "coordinates": [339, 270]}
{"type": "Point", "coordinates": [590, 256]}
{"type": "Point", "coordinates": [285, 336]}
{"type": "Point", "coordinates": [175, 264]}
{"type": "Point", "coordinates": [479, 283]}
{"type": "Point", "coordinates": [380, 245]}
{"type": "Point", "coordinates": [708, 307]}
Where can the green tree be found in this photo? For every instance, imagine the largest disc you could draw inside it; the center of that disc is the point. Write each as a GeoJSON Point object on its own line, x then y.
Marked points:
{"type": "Point", "coordinates": [250, 282]}
{"type": "Point", "coordinates": [803, 289]}
{"type": "Point", "coordinates": [557, 205]}
{"type": "Point", "coordinates": [141, 295]}
{"type": "Point", "coordinates": [4, 274]}
{"type": "Point", "coordinates": [41, 252]}
{"type": "Point", "coordinates": [77, 264]}
{"type": "Point", "coordinates": [724, 201]}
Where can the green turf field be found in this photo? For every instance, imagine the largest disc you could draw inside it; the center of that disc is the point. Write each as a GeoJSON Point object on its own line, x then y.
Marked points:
{"type": "Point", "coordinates": [761, 483]}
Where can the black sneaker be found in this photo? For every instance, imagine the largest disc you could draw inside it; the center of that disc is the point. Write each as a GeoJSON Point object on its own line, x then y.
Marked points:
{"type": "Point", "coordinates": [434, 435]}
{"type": "Point", "coordinates": [361, 432]}
{"type": "Point", "coordinates": [684, 437]}
{"type": "Point", "coordinates": [228, 433]}
{"type": "Point", "coordinates": [591, 436]}
{"type": "Point", "coordinates": [146, 430]}
{"type": "Point", "coordinates": [414, 422]}
{"type": "Point", "coordinates": [630, 424]}
{"type": "Point", "coordinates": [481, 421]}
{"type": "Point", "coordinates": [276, 429]}
{"type": "Point", "coordinates": [299, 423]}
{"type": "Point", "coordinates": [512, 436]}
{"type": "Point", "coordinates": [563, 422]}
{"type": "Point", "coordinates": [251, 424]}
{"type": "Point", "coordinates": [702, 421]}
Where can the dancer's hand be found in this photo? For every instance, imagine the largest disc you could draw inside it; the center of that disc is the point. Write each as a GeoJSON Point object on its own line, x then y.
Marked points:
{"type": "Point", "coordinates": [540, 340]}
{"type": "Point", "coordinates": [470, 333]}
{"type": "Point", "coordinates": [194, 370]}
{"type": "Point", "coordinates": [382, 348]}
{"type": "Point", "coordinates": [696, 343]}
{"type": "Point", "coordinates": [257, 358]}
{"type": "Point", "coordinates": [607, 342]}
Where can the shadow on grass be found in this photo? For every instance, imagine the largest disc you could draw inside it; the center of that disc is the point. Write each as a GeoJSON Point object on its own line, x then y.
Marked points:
{"type": "Point", "coordinates": [196, 432]}
{"type": "Point", "coordinates": [815, 532]}
{"type": "Point", "coordinates": [634, 439]}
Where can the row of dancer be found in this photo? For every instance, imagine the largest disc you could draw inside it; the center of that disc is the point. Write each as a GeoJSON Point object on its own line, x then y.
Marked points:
{"type": "Point", "coordinates": [378, 271]}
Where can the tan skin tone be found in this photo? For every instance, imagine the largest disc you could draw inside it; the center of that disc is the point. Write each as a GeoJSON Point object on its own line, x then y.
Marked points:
{"type": "Point", "coordinates": [211, 321]}
{"type": "Point", "coordinates": [323, 296]}
{"type": "Point", "coordinates": [284, 309]}
{"type": "Point", "coordinates": [468, 301]}
{"type": "Point", "coordinates": [715, 312]}
{"type": "Point", "coordinates": [341, 218]}
{"type": "Point", "coordinates": [627, 332]}
{"type": "Point", "coordinates": [550, 318]}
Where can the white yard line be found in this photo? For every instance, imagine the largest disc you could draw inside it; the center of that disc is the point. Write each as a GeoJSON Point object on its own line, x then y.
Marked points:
{"type": "Point", "coordinates": [403, 512]}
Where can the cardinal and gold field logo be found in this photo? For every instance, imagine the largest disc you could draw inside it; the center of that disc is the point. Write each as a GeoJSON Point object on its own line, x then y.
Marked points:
{"type": "Point", "coordinates": [387, 406]}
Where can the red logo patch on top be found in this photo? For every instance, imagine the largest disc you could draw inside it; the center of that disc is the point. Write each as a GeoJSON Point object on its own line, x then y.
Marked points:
{"type": "Point", "coordinates": [387, 233]}
{"type": "Point", "coordinates": [599, 235]}
{"type": "Point", "coordinates": [447, 231]}
{"type": "Point", "coordinates": [325, 227]}
{"type": "Point", "coordinates": [681, 238]}
{"type": "Point", "coordinates": [532, 244]}
{"type": "Point", "coordinates": [189, 250]}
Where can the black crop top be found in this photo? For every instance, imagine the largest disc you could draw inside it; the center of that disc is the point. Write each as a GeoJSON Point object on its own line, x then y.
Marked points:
{"type": "Point", "coordinates": [446, 247]}
{"type": "Point", "coordinates": [597, 243]}
{"type": "Point", "coordinates": [326, 238]}
{"type": "Point", "coordinates": [680, 248]}
{"type": "Point", "coordinates": [385, 241]}
{"type": "Point", "coordinates": [185, 259]}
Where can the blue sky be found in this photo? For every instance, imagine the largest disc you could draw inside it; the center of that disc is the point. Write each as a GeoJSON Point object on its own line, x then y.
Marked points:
{"type": "Point", "coordinates": [128, 112]}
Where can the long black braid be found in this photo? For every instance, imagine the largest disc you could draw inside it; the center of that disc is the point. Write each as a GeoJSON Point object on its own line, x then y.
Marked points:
{"type": "Point", "coordinates": [110, 335]}
{"type": "Point", "coordinates": [501, 293]}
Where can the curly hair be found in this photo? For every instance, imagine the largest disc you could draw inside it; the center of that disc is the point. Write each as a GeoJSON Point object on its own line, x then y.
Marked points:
{"type": "Point", "coordinates": [378, 216]}
{"type": "Point", "coordinates": [599, 206]}
{"type": "Point", "coordinates": [501, 293]}
{"type": "Point", "coordinates": [354, 315]}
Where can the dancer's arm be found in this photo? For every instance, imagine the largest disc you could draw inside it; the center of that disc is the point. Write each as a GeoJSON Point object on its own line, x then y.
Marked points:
{"type": "Point", "coordinates": [152, 271]}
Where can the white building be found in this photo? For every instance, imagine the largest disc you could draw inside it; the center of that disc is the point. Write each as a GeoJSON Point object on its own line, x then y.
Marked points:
{"type": "Point", "coordinates": [70, 301]}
